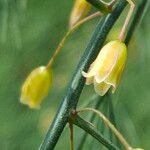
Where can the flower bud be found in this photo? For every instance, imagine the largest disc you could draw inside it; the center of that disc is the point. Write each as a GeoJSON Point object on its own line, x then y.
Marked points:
{"type": "Point", "coordinates": [107, 68]}
{"type": "Point", "coordinates": [36, 87]}
{"type": "Point", "coordinates": [79, 11]}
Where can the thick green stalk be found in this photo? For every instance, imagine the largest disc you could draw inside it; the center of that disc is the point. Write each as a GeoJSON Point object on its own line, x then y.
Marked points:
{"type": "Point", "coordinates": [76, 85]}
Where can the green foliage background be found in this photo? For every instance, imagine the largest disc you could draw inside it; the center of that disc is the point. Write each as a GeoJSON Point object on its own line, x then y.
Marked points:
{"type": "Point", "coordinates": [29, 33]}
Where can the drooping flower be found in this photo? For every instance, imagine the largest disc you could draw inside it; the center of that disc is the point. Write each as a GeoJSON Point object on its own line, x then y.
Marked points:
{"type": "Point", "coordinates": [107, 68]}
{"type": "Point", "coordinates": [36, 87]}
{"type": "Point", "coordinates": [79, 11]}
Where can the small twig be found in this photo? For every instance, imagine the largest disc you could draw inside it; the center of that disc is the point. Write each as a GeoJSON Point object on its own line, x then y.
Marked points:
{"type": "Point", "coordinates": [99, 101]}
{"type": "Point", "coordinates": [94, 132]}
{"type": "Point", "coordinates": [71, 136]}
{"type": "Point", "coordinates": [127, 20]}
{"type": "Point", "coordinates": [139, 13]}
{"type": "Point", "coordinates": [109, 124]}
{"type": "Point", "coordinates": [69, 32]}
{"type": "Point", "coordinates": [112, 117]}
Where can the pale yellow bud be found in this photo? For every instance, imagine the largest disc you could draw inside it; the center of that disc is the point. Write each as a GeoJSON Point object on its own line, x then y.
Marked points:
{"type": "Point", "coordinates": [79, 11]}
{"type": "Point", "coordinates": [36, 87]}
{"type": "Point", "coordinates": [107, 68]}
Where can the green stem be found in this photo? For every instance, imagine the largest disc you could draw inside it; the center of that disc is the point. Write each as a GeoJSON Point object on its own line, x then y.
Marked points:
{"type": "Point", "coordinates": [110, 125]}
{"type": "Point", "coordinates": [78, 121]}
{"type": "Point", "coordinates": [139, 13]}
{"type": "Point", "coordinates": [71, 136]}
{"type": "Point", "coordinates": [102, 6]}
{"type": "Point", "coordinates": [69, 32]}
{"type": "Point", "coordinates": [112, 119]}
{"type": "Point", "coordinates": [76, 85]}
{"type": "Point", "coordinates": [100, 100]}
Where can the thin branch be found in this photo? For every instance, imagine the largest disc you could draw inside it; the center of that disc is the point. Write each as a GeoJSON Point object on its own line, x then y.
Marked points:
{"type": "Point", "coordinates": [100, 100]}
{"type": "Point", "coordinates": [139, 13]}
{"type": "Point", "coordinates": [123, 32]}
{"type": "Point", "coordinates": [110, 125]}
{"type": "Point", "coordinates": [94, 132]}
{"type": "Point", "coordinates": [71, 136]}
{"type": "Point", "coordinates": [69, 32]}
{"type": "Point", "coordinates": [112, 118]}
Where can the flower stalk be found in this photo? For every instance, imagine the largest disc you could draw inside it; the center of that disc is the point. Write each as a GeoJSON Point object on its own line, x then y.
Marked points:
{"type": "Point", "coordinates": [71, 136]}
{"type": "Point", "coordinates": [110, 125]}
{"type": "Point", "coordinates": [78, 121]}
{"type": "Point", "coordinates": [69, 32]}
{"type": "Point", "coordinates": [127, 20]}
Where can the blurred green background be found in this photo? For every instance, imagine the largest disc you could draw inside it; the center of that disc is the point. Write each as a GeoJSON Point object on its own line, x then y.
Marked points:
{"type": "Point", "coordinates": [29, 33]}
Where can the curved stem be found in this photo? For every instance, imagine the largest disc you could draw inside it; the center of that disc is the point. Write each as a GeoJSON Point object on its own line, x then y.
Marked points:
{"type": "Point", "coordinates": [110, 125]}
{"type": "Point", "coordinates": [69, 32]}
{"type": "Point", "coordinates": [112, 116]}
{"type": "Point", "coordinates": [99, 101]}
{"type": "Point", "coordinates": [78, 121]}
{"type": "Point", "coordinates": [139, 13]}
{"type": "Point", "coordinates": [128, 18]}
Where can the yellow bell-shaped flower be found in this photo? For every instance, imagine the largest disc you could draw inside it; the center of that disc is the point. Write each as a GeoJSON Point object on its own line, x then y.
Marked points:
{"type": "Point", "coordinates": [79, 11]}
{"type": "Point", "coordinates": [106, 70]}
{"type": "Point", "coordinates": [36, 87]}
